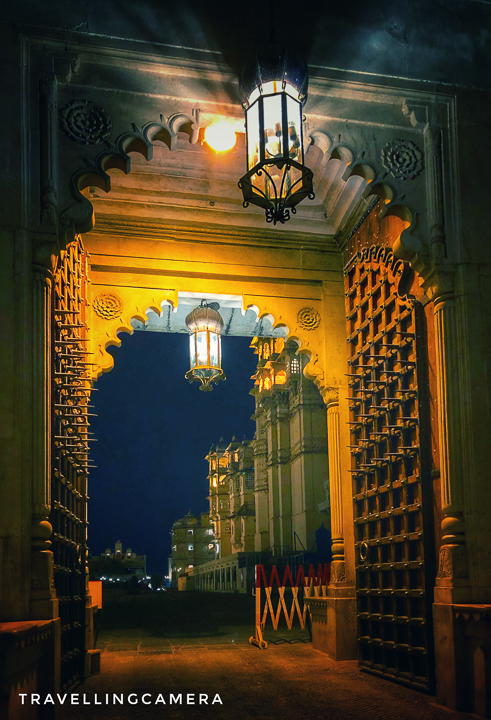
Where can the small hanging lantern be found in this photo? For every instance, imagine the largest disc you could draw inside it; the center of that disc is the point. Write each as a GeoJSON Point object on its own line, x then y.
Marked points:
{"type": "Point", "coordinates": [274, 87]}
{"type": "Point", "coordinates": [205, 325]}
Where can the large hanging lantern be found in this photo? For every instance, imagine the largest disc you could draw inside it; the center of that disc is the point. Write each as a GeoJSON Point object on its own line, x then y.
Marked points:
{"type": "Point", "coordinates": [205, 354]}
{"type": "Point", "coordinates": [274, 87]}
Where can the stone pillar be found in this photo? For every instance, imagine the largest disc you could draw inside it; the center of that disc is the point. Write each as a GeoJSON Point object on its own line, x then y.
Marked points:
{"type": "Point", "coordinates": [43, 602]}
{"type": "Point", "coordinates": [338, 572]}
{"type": "Point", "coordinates": [452, 578]}
{"type": "Point", "coordinates": [284, 471]}
{"type": "Point", "coordinates": [272, 465]}
{"type": "Point", "coordinates": [340, 639]}
{"type": "Point", "coordinates": [261, 537]}
{"type": "Point", "coordinates": [452, 583]}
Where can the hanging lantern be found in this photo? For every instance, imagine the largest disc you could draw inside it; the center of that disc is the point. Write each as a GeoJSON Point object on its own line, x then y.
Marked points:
{"type": "Point", "coordinates": [274, 87]}
{"type": "Point", "coordinates": [205, 325]}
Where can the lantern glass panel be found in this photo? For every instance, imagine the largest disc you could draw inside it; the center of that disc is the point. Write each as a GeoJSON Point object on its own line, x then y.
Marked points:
{"type": "Point", "coordinates": [253, 135]}
{"type": "Point", "coordinates": [273, 86]}
{"type": "Point", "coordinates": [202, 348]}
{"type": "Point", "coordinates": [273, 136]}
{"type": "Point", "coordinates": [214, 342]}
{"type": "Point", "coordinates": [192, 350]}
{"type": "Point", "coordinates": [294, 129]}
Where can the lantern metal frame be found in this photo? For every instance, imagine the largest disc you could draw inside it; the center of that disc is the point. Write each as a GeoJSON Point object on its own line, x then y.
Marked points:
{"type": "Point", "coordinates": [205, 319]}
{"type": "Point", "coordinates": [273, 67]}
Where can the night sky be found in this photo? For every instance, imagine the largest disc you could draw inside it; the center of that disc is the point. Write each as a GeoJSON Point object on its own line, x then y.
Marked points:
{"type": "Point", "coordinates": [153, 431]}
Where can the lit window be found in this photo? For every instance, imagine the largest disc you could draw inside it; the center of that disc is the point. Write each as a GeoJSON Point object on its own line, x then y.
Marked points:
{"type": "Point", "coordinates": [190, 547]}
{"type": "Point", "coordinates": [294, 366]}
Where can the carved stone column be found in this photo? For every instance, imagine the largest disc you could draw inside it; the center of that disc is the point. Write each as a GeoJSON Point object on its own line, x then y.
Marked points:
{"type": "Point", "coordinates": [272, 465]}
{"type": "Point", "coordinates": [436, 218]}
{"type": "Point", "coordinates": [338, 574]}
{"type": "Point", "coordinates": [43, 603]}
{"type": "Point", "coordinates": [452, 577]}
{"type": "Point", "coordinates": [334, 617]}
{"type": "Point", "coordinates": [284, 470]}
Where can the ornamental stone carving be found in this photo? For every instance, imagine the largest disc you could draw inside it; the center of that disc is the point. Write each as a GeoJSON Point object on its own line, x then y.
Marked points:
{"type": "Point", "coordinates": [445, 563]}
{"type": "Point", "coordinates": [403, 159]}
{"type": "Point", "coordinates": [107, 306]}
{"type": "Point", "coordinates": [308, 318]}
{"type": "Point", "coordinates": [84, 122]}
{"type": "Point", "coordinates": [338, 572]}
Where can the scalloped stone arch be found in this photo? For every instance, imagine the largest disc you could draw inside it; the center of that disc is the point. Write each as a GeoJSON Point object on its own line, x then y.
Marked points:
{"type": "Point", "coordinates": [135, 303]}
{"type": "Point", "coordinates": [105, 328]}
{"type": "Point", "coordinates": [337, 158]}
{"type": "Point", "coordinates": [285, 312]}
{"type": "Point", "coordinates": [330, 160]}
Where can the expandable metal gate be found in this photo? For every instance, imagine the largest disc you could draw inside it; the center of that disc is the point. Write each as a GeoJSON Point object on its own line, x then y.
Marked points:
{"type": "Point", "coordinates": [392, 484]}
{"type": "Point", "coordinates": [265, 592]}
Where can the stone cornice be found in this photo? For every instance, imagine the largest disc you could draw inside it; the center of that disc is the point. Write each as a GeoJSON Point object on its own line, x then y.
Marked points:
{"type": "Point", "coordinates": [110, 225]}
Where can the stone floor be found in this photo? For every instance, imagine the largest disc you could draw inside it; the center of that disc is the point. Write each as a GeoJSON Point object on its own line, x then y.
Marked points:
{"type": "Point", "coordinates": [189, 644]}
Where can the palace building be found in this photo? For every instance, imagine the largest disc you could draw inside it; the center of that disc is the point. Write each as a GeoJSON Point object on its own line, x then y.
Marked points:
{"type": "Point", "coordinates": [347, 214]}
{"type": "Point", "coordinates": [193, 543]}
{"type": "Point", "coordinates": [269, 496]}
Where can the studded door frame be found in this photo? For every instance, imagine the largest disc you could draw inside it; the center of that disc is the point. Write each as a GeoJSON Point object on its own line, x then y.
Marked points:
{"type": "Point", "coordinates": [390, 448]}
{"type": "Point", "coordinates": [71, 390]}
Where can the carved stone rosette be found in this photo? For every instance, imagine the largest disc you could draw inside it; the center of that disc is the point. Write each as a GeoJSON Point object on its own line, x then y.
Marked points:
{"type": "Point", "coordinates": [403, 159]}
{"type": "Point", "coordinates": [107, 306]}
{"type": "Point", "coordinates": [308, 318]}
{"type": "Point", "coordinates": [85, 123]}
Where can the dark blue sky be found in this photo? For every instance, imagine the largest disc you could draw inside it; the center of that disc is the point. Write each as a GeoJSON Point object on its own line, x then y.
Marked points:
{"type": "Point", "coordinates": [154, 429]}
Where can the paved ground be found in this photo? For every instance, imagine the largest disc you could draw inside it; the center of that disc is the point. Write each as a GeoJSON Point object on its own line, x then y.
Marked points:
{"type": "Point", "coordinates": [197, 644]}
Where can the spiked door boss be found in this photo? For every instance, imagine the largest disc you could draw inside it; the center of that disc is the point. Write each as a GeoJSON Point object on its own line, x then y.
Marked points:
{"type": "Point", "coordinates": [274, 87]}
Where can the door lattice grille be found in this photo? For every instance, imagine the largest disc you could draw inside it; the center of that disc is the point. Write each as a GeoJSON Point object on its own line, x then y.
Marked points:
{"type": "Point", "coordinates": [71, 387]}
{"type": "Point", "coordinates": [390, 477]}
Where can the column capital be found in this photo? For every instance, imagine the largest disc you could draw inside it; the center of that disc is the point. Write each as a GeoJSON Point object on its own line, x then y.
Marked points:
{"type": "Point", "coordinates": [330, 395]}
{"type": "Point", "coordinates": [45, 258]}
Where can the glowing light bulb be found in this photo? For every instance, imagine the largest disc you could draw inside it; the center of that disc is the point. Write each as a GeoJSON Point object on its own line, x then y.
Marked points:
{"type": "Point", "coordinates": [220, 136]}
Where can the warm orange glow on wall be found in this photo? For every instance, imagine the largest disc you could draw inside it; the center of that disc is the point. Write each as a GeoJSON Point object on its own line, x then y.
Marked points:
{"type": "Point", "coordinates": [220, 136]}
{"type": "Point", "coordinates": [280, 377]}
{"type": "Point", "coordinates": [279, 345]}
